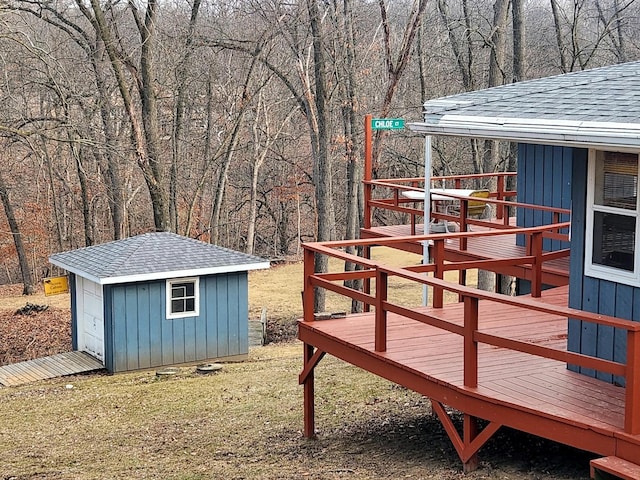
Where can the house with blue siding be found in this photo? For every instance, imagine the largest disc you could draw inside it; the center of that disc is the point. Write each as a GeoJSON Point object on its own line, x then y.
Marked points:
{"type": "Point", "coordinates": [158, 299]}
{"type": "Point", "coordinates": [578, 138]}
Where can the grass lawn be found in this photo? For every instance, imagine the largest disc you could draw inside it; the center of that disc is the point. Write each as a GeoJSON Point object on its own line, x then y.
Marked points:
{"type": "Point", "coordinates": [245, 421]}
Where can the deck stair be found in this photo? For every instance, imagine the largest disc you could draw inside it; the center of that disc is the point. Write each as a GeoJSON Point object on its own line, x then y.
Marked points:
{"type": "Point", "coordinates": [614, 468]}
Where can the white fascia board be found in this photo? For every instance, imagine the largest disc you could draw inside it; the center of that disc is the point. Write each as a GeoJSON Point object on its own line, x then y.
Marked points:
{"type": "Point", "coordinates": [143, 277]}
{"type": "Point", "coordinates": [76, 271]}
{"type": "Point", "coordinates": [555, 132]}
{"type": "Point", "coordinates": [199, 272]}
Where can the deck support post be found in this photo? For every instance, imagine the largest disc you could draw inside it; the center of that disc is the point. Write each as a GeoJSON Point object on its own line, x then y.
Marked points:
{"type": "Point", "coordinates": [470, 432]}
{"type": "Point", "coordinates": [311, 359]}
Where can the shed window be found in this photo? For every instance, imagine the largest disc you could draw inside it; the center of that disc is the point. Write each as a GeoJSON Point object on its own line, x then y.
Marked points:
{"type": "Point", "coordinates": [612, 217]}
{"type": "Point", "coordinates": [183, 297]}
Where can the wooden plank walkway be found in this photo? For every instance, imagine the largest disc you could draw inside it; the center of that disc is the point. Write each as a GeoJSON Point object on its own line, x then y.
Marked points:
{"type": "Point", "coordinates": [60, 365]}
{"type": "Point", "coordinates": [529, 393]}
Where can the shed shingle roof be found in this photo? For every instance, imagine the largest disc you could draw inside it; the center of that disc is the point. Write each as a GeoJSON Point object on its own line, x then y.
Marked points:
{"type": "Point", "coordinates": [153, 256]}
{"type": "Point", "coordinates": [592, 107]}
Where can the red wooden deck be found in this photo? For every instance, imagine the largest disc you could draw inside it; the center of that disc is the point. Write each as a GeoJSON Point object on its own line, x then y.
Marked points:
{"type": "Point", "coordinates": [493, 357]}
{"type": "Point", "coordinates": [530, 393]}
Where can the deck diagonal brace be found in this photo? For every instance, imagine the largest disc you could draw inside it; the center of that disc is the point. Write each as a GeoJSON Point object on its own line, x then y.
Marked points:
{"type": "Point", "coordinates": [468, 447]}
{"type": "Point", "coordinates": [309, 365]}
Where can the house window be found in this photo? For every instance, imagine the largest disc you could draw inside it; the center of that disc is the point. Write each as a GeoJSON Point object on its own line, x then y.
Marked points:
{"type": "Point", "coordinates": [183, 297]}
{"type": "Point", "coordinates": [612, 217]}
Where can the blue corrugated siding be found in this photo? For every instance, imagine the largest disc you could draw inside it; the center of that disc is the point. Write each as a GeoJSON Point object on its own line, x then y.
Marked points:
{"type": "Point", "coordinates": [107, 305]}
{"type": "Point", "coordinates": [592, 294]}
{"type": "Point", "coordinates": [576, 264]}
{"type": "Point", "coordinates": [74, 311]}
{"type": "Point", "coordinates": [544, 178]}
{"type": "Point", "coordinates": [142, 337]}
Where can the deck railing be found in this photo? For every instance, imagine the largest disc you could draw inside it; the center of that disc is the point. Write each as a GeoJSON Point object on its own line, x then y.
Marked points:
{"type": "Point", "coordinates": [469, 330]}
{"type": "Point", "coordinates": [392, 200]}
{"type": "Point", "coordinates": [390, 197]}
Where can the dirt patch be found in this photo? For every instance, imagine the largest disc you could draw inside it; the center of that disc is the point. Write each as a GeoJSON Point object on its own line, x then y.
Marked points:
{"type": "Point", "coordinates": [29, 336]}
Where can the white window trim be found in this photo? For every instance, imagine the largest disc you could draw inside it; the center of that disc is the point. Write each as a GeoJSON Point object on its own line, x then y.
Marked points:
{"type": "Point", "coordinates": [196, 286]}
{"type": "Point", "coordinates": [604, 272]}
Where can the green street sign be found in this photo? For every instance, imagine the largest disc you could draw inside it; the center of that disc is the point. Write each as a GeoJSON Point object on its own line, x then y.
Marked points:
{"type": "Point", "coordinates": [387, 123]}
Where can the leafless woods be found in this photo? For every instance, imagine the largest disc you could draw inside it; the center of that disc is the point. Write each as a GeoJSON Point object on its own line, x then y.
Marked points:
{"type": "Point", "coordinates": [241, 122]}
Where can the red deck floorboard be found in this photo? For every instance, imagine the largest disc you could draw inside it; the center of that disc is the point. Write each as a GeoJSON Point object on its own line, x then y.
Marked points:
{"type": "Point", "coordinates": [523, 391]}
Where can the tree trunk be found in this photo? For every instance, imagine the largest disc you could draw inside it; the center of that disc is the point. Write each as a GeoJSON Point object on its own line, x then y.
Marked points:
{"type": "Point", "coordinates": [487, 280]}
{"type": "Point", "coordinates": [112, 171]}
{"type": "Point", "coordinates": [519, 58]}
{"type": "Point", "coordinates": [27, 279]}
{"type": "Point", "coordinates": [395, 66]}
{"type": "Point", "coordinates": [320, 147]}
{"type": "Point", "coordinates": [181, 97]}
{"type": "Point", "coordinates": [351, 142]}
{"type": "Point", "coordinates": [144, 132]}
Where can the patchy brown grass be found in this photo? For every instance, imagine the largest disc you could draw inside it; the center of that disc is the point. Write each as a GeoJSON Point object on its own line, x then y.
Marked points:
{"type": "Point", "coordinates": [244, 422]}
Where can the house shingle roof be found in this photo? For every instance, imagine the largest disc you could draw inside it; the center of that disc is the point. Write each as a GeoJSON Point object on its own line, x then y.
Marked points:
{"type": "Point", "coordinates": [153, 256]}
{"type": "Point", "coordinates": [599, 106]}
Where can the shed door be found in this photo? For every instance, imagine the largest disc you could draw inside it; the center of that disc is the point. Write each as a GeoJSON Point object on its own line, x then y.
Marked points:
{"type": "Point", "coordinates": [90, 318]}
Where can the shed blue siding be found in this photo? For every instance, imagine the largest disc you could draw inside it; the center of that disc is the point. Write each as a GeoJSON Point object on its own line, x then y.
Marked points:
{"type": "Point", "coordinates": [544, 178]}
{"type": "Point", "coordinates": [107, 305]}
{"type": "Point", "coordinates": [74, 311]}
{"type": "Point", "coordinates": [142, 337]}
{"type": "Point", "coordinates": [592, 294]}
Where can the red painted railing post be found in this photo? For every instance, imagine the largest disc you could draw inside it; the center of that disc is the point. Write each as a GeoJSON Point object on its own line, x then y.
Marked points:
{"type": "Point", "coordinates": [632, 394]}
{"type": "Point", "coordinates": [536, 267]}
{"type": "Point", "coordinates": [500, 196]}
{"type": "Point", "coordinates": [413, 215]}
{"type": "Point", "coordinates": [438, 259]}
{"type": "Point", "coordinates": [381, 314]}
{"type": "Point", "coordinates": [366, 284]}
{"type": "Point", "coordinates": [307, 292]}
{"type": "Point", "coordinates": [368, 169]}
{"type": "Point", "coordinates": [470, 345]}
{"type": "Point", "coordinates": [464, 205]}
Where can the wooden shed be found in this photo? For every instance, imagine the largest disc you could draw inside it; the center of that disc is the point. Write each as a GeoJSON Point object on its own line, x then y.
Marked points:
{"type": "Point", "coordinates": [158, 299]}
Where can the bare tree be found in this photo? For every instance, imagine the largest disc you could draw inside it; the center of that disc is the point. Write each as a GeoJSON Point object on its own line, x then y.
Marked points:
{"type": "Point", "coordinates": [27, 279]}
